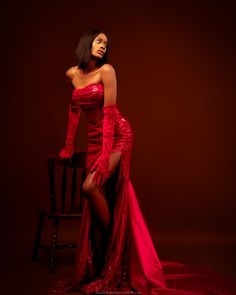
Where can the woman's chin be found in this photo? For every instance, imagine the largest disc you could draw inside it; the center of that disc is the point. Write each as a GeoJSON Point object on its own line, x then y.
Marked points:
{"type": "Point", "coordinates": [97, 56]}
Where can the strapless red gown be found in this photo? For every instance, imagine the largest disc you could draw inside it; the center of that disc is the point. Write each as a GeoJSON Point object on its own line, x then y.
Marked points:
{"type": "Point", "coordinates": [132, 265]}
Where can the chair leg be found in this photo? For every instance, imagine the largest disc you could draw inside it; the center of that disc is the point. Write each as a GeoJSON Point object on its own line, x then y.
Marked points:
{"type": "Point", "coordinates": [38, 234]}
{"type": "Point", "coordinates": [53, 246]}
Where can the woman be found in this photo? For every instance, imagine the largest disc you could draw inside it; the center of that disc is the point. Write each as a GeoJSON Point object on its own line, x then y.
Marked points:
{"type": "Point", "coordinates": [115, 251]}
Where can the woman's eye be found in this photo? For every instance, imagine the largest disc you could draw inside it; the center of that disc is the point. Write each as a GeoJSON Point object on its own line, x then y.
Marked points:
{"type": "Point", "coordinates": [98, 41]}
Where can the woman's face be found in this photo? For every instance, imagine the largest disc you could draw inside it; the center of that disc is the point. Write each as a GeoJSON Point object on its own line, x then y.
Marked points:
{"type": "Point", "coordinates": [99, 45]}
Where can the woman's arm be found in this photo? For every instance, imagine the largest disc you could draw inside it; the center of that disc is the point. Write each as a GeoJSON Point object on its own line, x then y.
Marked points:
{"type": "Point", "coordinates": [108, 77]}
{"type": "Point", "coordinates": [73, 120]}
{"type": "Point", "coordinates": [109, 111]}
{"type": "Point", "coordinates": [69, 76]}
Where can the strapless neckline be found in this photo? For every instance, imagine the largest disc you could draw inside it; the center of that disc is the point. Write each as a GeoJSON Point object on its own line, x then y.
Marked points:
{"type": "Point", "coordinates": [90, 84]}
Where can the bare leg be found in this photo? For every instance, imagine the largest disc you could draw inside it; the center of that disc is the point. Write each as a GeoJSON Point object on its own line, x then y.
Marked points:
{"type": "Point", "coordinates": [96, 195]}
{"type": "Point", "coordinates": [101, 218]}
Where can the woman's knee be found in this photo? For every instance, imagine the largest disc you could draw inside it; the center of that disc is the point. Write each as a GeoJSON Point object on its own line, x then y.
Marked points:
{"type": "Point", "coordinates": [89, 187]}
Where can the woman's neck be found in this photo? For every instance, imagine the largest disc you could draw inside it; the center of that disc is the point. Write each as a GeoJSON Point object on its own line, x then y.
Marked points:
{"type": "Point", "coordinates": [91, 66]}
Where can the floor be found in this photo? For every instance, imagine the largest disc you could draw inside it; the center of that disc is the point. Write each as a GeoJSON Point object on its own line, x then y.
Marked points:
{"type": "Point", "coordinates": [21, 276]}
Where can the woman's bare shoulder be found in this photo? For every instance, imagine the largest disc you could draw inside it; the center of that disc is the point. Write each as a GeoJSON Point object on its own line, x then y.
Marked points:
{"type": "Point", "coordinates": [107, 68]}
{"type": "Point", "coordinates": [107, 72]}
{"type": "Point", "coordinates": [71, 71]}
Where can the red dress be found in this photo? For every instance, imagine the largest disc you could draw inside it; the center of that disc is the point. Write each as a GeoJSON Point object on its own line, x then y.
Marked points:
{"type": "Point", "coordinates": [132, 265]}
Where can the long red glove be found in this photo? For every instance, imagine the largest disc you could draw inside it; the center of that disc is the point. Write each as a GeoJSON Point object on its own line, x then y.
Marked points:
{"type": "Point", "coordinates": [101, 165]}
{"type": "Point", "coordinates": [73, 120]}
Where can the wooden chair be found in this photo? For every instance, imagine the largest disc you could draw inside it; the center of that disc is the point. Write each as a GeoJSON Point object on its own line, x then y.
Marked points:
{"type": "Point", "coordinates": [70, 174]}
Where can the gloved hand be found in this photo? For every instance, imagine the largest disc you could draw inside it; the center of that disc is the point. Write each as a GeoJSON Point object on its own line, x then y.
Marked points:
{"type": "Point", "coordinates": [102, 164]}
{"type": "Point", "coordinates": [73, 120]}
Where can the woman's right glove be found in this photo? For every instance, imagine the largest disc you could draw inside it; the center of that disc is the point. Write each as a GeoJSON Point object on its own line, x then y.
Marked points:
{"type": "Point", "coordinates": [73, 120]}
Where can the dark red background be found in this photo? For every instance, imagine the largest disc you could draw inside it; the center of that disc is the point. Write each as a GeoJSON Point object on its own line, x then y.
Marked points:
{"type": "Point", "coordinates": [175, 66]}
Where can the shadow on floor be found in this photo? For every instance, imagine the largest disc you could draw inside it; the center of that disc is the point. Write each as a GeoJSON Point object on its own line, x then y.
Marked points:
{"type": "Point", "coordinates": [21, 276]}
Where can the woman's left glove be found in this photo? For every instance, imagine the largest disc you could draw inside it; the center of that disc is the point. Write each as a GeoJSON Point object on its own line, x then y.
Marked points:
{"type": "Point", "coordinates": [102, 164]}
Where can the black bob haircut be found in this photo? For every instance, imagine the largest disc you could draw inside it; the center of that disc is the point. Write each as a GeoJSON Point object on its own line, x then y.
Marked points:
{"type": "Point", "coordinates": [83, 50]}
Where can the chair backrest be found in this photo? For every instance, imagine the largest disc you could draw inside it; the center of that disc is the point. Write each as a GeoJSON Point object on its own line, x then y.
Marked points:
{"type": "Point", "coordinates": [63, 174]}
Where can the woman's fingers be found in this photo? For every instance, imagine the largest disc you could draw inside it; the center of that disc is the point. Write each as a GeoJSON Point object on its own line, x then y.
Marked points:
{"type": "Point", "coordinates": [99, 177]}
{"type": "Point", "coordinates": [95, 176]}
{"type": "Point", "coordinates": [65, 154]}
{"type": "Point", "coordinates": [94, 167]}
